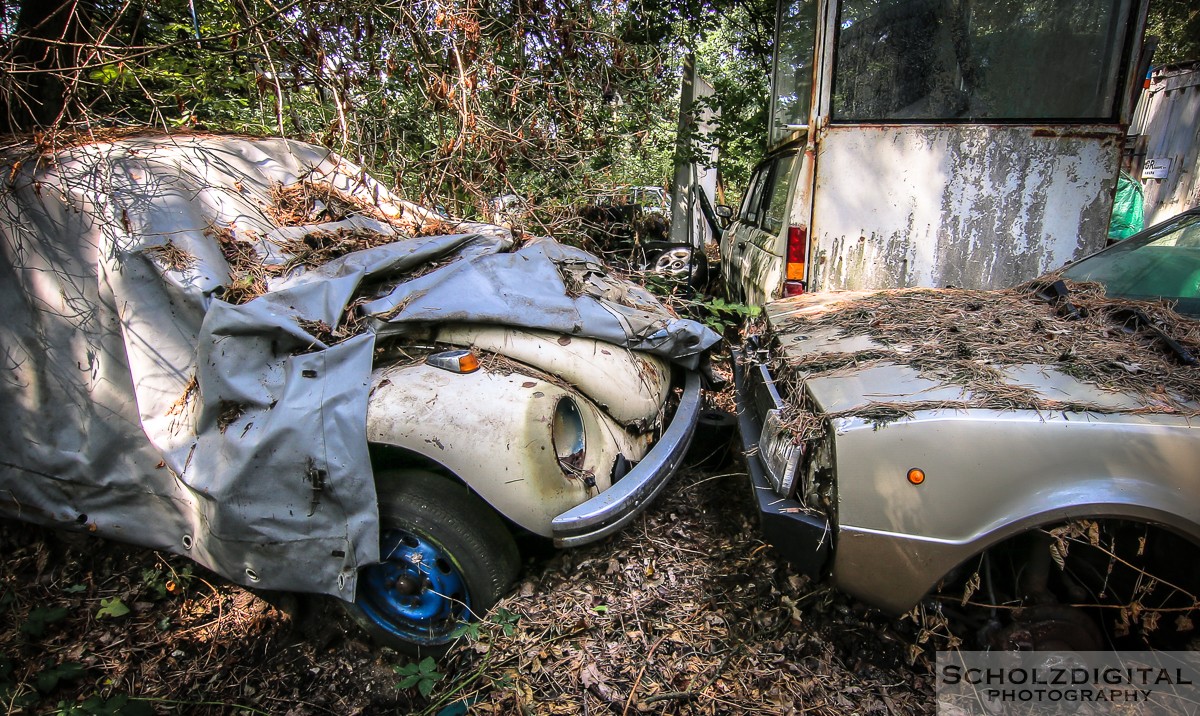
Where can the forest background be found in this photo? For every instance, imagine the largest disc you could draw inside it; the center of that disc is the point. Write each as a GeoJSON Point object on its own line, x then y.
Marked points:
{"type": "Point", "coordinates": [450, 102]}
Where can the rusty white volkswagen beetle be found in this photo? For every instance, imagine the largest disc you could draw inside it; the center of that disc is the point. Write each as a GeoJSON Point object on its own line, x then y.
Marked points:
{"type": "Point", "coordinates": [249, 352]}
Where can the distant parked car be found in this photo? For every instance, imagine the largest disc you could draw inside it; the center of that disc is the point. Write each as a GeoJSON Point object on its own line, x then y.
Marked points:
{"type": "Point", "coordinates": [250, 353]}
{"type": "Point", "coordinates": [1034, 451]}
{"type": "Point", "coordinates": [507, 210]}
{"type": "Point", "coordinates": [632, 226]}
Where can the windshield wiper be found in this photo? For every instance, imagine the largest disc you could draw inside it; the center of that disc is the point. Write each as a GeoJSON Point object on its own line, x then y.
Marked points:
{"type": "Point", "coordinates": [1132, 319]}
{"type": "Point", "coordinates": [1056, 294]}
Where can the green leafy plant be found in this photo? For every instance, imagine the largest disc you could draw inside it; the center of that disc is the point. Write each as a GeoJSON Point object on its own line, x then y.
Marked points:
{"type": "Point", "coordinates": [719, 314]}
{"type": "Point", "coordinates": [53, 674]}
{"type": "Point", "coordinates": [423, 675]}
{"type": "Point", "coordinates": [502, 618]}
{"type": "Point", "coordinates": [160, 583]}
{"type": "Point", "coordinates": [35, 624]}
{"type": "Point", "coordinates": [113, 608]}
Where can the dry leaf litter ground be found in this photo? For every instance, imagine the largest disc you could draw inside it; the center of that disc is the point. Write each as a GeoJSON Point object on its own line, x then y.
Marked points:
{"type": "Point", "coordinates": [685, 612]}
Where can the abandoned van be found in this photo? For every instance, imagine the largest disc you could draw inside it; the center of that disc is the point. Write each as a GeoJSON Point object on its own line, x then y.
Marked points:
{"type": "Point", "coordinates": [922, 143]}
{"type": "Point", "coordinates": [917, 445]}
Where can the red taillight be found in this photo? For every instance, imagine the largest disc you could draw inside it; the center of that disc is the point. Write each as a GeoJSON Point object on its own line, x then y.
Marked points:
{"type": "Point", "coordinates": [797, 252]}
{"type": "Point", "coordinates": [793, 288]}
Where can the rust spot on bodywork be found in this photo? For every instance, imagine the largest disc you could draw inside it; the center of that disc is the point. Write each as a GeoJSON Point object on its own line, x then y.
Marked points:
{"type": "Point", "coordinates": [1073, 134]}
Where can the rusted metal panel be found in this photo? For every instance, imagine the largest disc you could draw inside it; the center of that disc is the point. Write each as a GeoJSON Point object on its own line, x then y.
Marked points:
{"type": "Point", "coordinates": [968, 206]}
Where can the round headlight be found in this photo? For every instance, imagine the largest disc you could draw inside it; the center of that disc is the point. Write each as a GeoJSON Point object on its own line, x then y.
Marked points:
{"type": "Point", "coordinates": [568, 433]}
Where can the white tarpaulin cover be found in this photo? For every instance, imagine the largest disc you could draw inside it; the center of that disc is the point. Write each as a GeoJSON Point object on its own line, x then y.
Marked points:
{"type": "Point", "coordinates": [142, 406]}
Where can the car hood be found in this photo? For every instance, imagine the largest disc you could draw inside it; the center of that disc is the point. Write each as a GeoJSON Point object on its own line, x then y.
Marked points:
{"type": "Point", "coordinates": [847, 371]}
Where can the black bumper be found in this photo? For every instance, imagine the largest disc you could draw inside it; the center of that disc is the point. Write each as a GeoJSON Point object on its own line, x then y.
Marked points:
{"type": "Point", "coordinates": [804, 539]}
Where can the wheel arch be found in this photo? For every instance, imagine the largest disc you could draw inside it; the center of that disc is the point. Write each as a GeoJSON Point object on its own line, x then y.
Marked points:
{"type": "Point", "coordinates": [493, 432]}
{"type": "Point", "coordinates": [939, 559]}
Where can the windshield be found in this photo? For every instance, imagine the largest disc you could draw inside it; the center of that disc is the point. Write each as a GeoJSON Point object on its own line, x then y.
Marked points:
{"type": "Point", "coordinates": [961, 60]}
{"type": "Point", "coordinates": [1161, 262]}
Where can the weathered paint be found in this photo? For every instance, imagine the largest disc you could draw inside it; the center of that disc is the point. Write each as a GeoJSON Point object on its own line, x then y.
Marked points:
{"type": "Point", "coordinates": [494, 431]}
{"type": "Point", "coordinates": [630, 387]}
{"type": "Point", "coordinates": [967, 206]}
{"type": "Point", "coordinates": [1169, 117]}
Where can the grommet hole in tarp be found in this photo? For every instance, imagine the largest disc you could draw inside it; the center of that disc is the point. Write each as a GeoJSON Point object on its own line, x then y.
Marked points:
{"type": "Point", "coordinates": [251, 574]}
{"type": "Point", "coordinates": [187, 541]}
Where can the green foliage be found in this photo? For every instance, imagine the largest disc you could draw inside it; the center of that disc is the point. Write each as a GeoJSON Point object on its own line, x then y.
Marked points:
{"type": "Point", "coordinates": [719, 314]}
{"type": "Point", "coordinates": [1176, 24]}
{"type": "Point", "coordinates": [158, 583]}
{"type": "Point", "coordinates": [452, 102]}
{"type": "Point", "coordinates": [53, 674]}
{"type": "Point", "coordinates": [112, 607]}
{"type": "Point", "coordinates": [736, 58]}
{"type": "Point", "coordinates": [424, 675]}
{"type": "Point", "coordinates": [501, 618]}
{"type": "Point", "coordinates": [26, 695]}
{"type": "Point", "coordinates": [35, 624]}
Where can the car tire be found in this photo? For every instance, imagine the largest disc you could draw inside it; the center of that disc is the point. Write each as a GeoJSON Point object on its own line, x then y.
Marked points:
{"type": "Point", "coordinates": [681, 263]}
{"type": "Point", "coordinates": [447, 559]}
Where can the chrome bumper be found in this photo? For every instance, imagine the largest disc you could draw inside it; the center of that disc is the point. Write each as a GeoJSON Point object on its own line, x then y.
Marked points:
{"type": "Point", "coordinates": [614, 508]}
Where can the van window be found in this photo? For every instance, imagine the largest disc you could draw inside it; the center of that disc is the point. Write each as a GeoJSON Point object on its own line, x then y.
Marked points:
{"type": "Point", "coordinates": [791, 85]}
{"type": "Point", "coordinates": [753, 198]}
{"type": "Point", "coordinates": [775, 211]}
{"type": "Point", "coordinates": [967, 60]}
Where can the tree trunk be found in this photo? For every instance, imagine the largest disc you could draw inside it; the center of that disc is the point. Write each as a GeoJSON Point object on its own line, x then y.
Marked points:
{"type": "Point", "coordinates": [44, 54]}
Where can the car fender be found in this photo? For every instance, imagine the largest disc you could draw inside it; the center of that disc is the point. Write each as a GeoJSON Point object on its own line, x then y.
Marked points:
{"type": "Point", "coordinates": [493, 430]}
{"type": "Point", "coordinates": [896, 540]}
{"type": "Point", "coordinates": [629, 386]}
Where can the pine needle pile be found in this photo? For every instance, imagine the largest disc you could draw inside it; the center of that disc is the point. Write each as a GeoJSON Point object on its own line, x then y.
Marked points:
{"type": "Point", "coordinates": [968, 338]}
{"type": "Point", "coordinates": [314, 202]}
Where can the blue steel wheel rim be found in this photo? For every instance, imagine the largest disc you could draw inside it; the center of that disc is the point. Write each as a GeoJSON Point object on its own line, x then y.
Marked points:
{"type": "Point", "coordinates": [418, 592]}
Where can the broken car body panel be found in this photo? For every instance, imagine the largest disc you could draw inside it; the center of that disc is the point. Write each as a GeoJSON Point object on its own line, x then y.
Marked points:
{"type": "Point", "coordinates": [626, 385]}
{"type": "Point", "coordinates": [497, 428]}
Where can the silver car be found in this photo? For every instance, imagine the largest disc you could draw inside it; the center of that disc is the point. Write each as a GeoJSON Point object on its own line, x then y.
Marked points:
{"type": "Point", "coordinates": [1034, 452]}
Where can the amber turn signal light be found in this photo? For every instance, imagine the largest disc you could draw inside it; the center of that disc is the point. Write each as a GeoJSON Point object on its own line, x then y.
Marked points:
{"type": "Point", "coordinates": [916, 476]}
{"type": "Point", "coordinates": [455, 361]}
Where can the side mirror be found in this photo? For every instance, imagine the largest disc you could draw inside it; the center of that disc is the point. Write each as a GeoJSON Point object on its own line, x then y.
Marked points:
{"type": "Point", "coordinates": [723, 211]}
